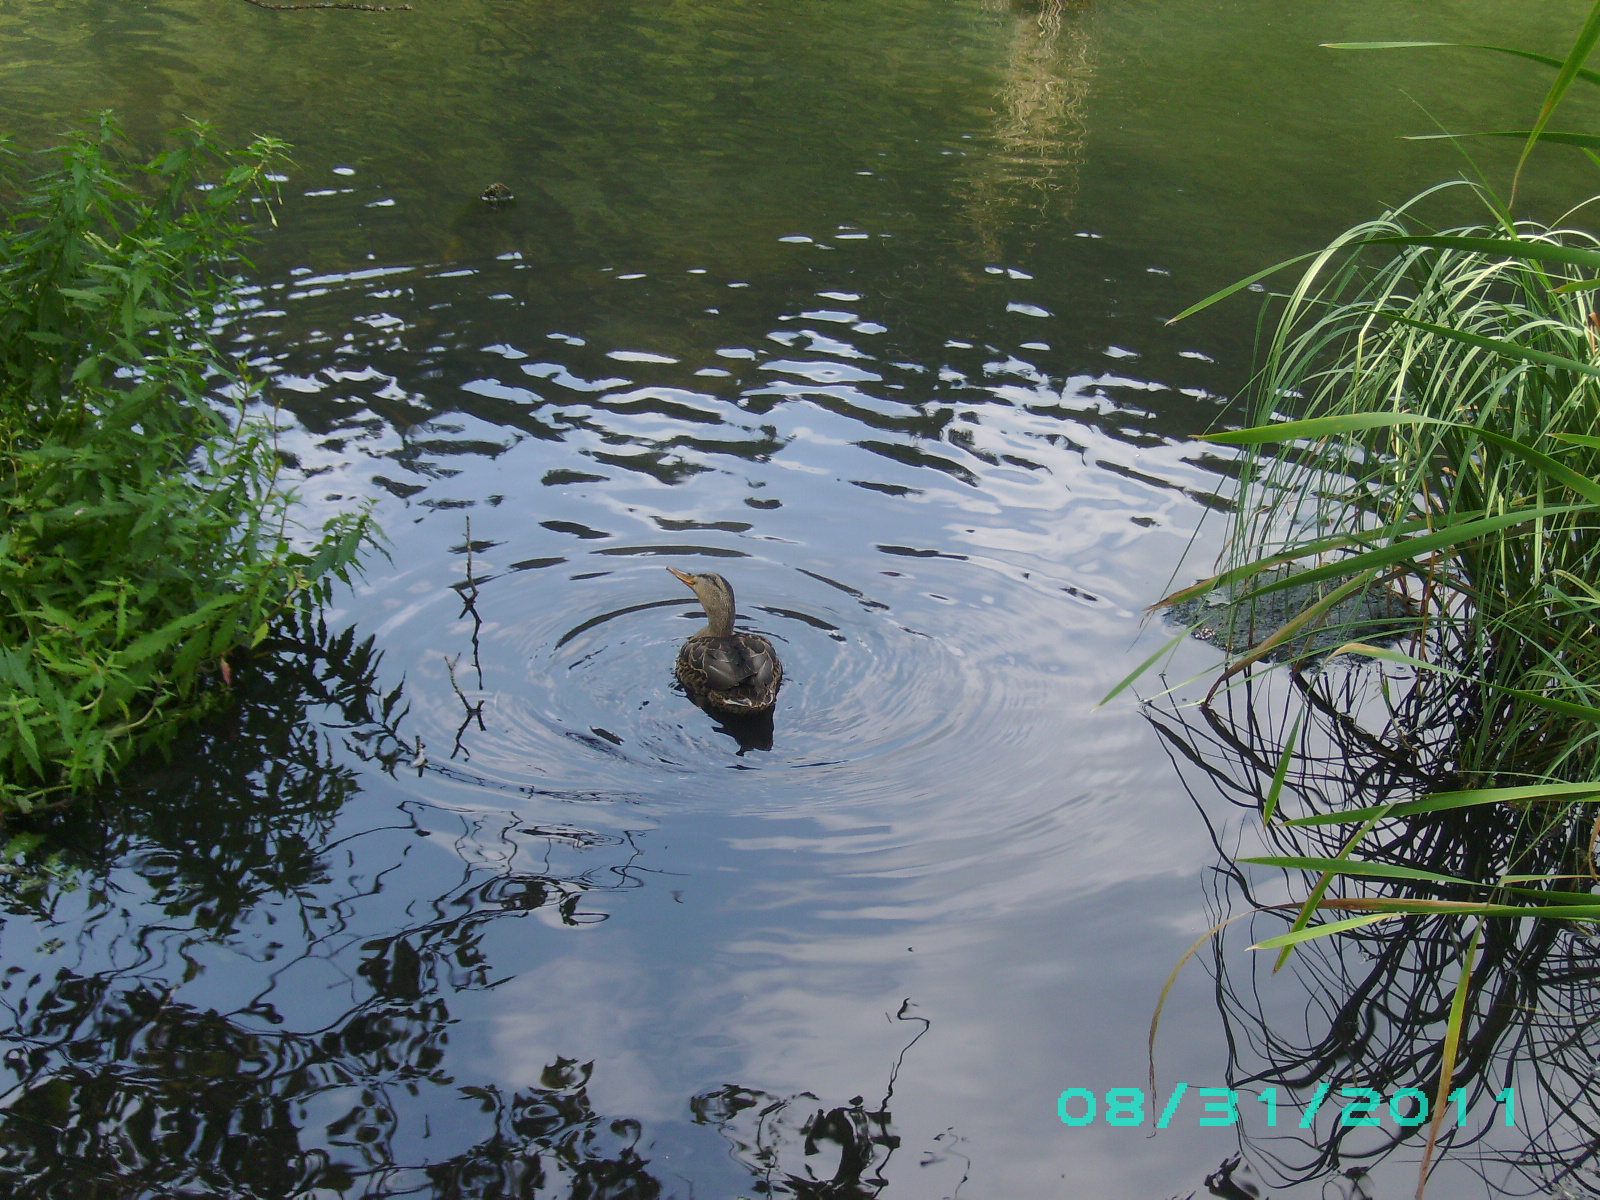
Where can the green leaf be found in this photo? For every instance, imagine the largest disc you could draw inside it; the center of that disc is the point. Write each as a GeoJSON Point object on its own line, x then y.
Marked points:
{"type": "Point", "coordinates": [1543, 59]}
{"type": "Point", "coordinates": [1314, 549]}
{"type": "Point", "coordinates": [1538, 793]}
{"type": "Point", "coordinates": [137, 527]}
{"type": "Point", "coordinates": [1353, 866]}
{"type": "Point", "coordinates": [190, 655]}
{"type": "Point", "coordinates": [1556, 470]}
{"type": "Point", "coordinates": [1529, 249]}
{"type": "Point", "coordinates": [1295, 936]}
{"type": "Point", "coordinates": [1281, 773]}
{"type": "Point", "coordinates": [1475, 908]}
{"type": "Point", "coordinates": [1320, 889]}
{"type": "Point", "coordinates": [1316, 427]}
{"type": "Point", "coordinates": [1447, 1065]}
{"type": "Point", "coordinates": [1403, 549]}
{"type": "Point", "coordinates": [1132, 676]}
{"type": "Point", "coordinates": [1571, 68]}
{"type": "Point", "coordinates": [1238, 287]}
{"type": "Point", "coordinates": [1500, 346]}
{"type": "Point", "coordinates": [1586, 140]}
{"type": "Point", "coordinates": [1320, 427]}
{"type": "Point", "coordinates": [1569, 708]}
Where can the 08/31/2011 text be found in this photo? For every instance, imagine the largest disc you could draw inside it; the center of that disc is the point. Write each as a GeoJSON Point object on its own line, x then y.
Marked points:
{"type": "Point", "coordinates": [1407, 1107]}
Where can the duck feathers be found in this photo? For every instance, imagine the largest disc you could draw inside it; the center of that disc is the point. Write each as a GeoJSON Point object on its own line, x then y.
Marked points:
{"type": "Point", "coordinates": [739, 672]}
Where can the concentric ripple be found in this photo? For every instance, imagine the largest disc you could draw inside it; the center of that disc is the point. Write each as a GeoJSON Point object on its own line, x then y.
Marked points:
{"type": "Point", "coordinates": [583, 690]}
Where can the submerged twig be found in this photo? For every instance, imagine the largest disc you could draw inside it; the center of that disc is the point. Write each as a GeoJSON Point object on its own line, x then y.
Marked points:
{"type": "Point", "coordinates": [330, 4]}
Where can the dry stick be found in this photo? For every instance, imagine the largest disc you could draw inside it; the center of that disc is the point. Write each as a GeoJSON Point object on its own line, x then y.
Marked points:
{"type": "Point", "coordinates": [450, 664]}
{"type": "Point", "coordinates": [1155, 1017]}
{"type": "Point", "coordinates": [329, 4]}
{"type": "Point", "coordinates": [469, 604]}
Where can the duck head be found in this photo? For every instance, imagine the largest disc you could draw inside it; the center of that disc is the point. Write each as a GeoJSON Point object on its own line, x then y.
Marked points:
{"type": "Point", "coordinates": [716, 597]}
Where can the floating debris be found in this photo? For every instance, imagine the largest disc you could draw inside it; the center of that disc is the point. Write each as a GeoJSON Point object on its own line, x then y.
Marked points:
{"type": "Point", "coordinates": [497, 194]}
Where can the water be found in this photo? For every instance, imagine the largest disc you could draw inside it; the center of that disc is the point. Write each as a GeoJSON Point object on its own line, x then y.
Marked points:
{"type": "Point", "coordinates": [862, 307]}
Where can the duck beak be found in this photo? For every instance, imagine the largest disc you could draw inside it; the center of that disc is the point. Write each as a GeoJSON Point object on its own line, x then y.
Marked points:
{"type": "Point", "coordinates": [683, 575]}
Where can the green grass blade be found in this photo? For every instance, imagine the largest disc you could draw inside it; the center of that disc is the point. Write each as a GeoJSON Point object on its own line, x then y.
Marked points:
{"type": "Point", "coordinates": [1353, 866]}
{"type": "Point", "coordinates": [1239, 286]}
{"type": "Point", "coordinates": [1407, 548]}
{"type": "Point", "coordinates": [1295, 936]}
{"type": "Point", "coordinates": [1319, 427]}
{"type": "Point", "coordinates": [1303, 917]}
{"type": "Point", "coordinates": [1539, 251]}
{"type": "Point", "coordinates": [1303, 550]}
{"type": "Point", "coordinates": [1561, 137]}
{"type": "Point", "coordinates": [1281, 773]}
{"type": "Point", "coordinates": [1582, 484]}
{"type": "Point", "coordinates": [1568, 708]}
{"type": "Point", "coordinates": [1551, 896]}
{"type": "Point", "coordinates": [1582, 46]}
{"type": "Point", "coordinates": [1499, 346]}
{"type": "Point", "coordinates": [1543, 59]}
{"type": "Point", "coordinates": [1450, 801]}
{"type": "Point", "coordinates": [1475, 908]}
{"type": "Point", "coordinates": [1129, 679]}
{"type": "Point", "coordinates": [1316, 427]}
{"type": "Point", "coordinates": [1452, 1043]}
{"type": "Point", "coordinates": [1251, 570]}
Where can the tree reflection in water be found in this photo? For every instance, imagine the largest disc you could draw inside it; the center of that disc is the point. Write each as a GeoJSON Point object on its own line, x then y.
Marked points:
{"type": "Point", "coordinates": [1036, 146]}
{"type": "Point", "coordinates": [221, 875]}
{"type": "Point", "coordinates": [795, 1146]}
{"type": "Point", "coordinates": [1369, 1008]}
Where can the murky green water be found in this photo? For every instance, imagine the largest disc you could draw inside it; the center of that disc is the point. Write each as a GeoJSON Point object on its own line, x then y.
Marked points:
{"type": "Point", "coordinates": [861, 305]}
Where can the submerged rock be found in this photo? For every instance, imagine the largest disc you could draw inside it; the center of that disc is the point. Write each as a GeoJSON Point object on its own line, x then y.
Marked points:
{"type": "Point", "coordinates": [1238, 623]}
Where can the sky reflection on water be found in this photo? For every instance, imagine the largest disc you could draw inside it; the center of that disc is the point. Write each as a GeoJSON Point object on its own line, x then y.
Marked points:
{"type": "Point", "coordinates": [864, 308]}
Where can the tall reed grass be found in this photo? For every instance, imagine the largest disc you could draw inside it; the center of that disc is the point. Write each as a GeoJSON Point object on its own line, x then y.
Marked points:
{"type": "Point", "coordinates": [1433, 400]}
{"type": "Point", "coordinates": [1446, 391]}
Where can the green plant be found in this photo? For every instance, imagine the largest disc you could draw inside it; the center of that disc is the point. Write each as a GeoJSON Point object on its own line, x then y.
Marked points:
{"type": "Point", "coordinates": [1445, 386]}
{"type": "Point", "coordinates": [1443, 392]}
{"type": "Point", "coordinates": [145, 535]}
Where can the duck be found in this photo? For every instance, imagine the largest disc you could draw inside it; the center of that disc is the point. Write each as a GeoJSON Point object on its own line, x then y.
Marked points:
{"type": "Point", "coordinates": [722, 668]}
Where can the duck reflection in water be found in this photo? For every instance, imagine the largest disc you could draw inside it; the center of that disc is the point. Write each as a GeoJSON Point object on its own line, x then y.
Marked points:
{"type": "Point", "coordinates": [752, 733]}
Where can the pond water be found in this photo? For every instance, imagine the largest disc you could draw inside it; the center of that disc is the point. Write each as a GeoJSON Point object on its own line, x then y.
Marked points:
{"type": "Point", "coordinates": [860, 305]}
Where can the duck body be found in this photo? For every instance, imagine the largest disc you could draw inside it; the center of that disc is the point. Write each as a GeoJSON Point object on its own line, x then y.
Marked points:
{"type": "Point", "coordinates": [723, 668]}
{"type": "Point", "coordinates": [737, 674]}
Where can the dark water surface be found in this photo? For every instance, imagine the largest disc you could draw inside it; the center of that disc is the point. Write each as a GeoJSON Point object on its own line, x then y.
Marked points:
{"type": "Point", "coordinates": [860, 305]}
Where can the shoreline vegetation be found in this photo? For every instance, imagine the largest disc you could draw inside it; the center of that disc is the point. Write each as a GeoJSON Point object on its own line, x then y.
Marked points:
{"type": "Point", "coordinates": [1430, 399]}
{"type": "Point", "coordinates": [147, 538]}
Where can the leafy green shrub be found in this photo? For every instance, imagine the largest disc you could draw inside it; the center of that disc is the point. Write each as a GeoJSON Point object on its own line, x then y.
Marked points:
{"type": "Point", "coordinates": [145, 534]}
